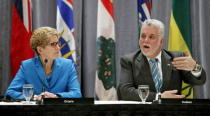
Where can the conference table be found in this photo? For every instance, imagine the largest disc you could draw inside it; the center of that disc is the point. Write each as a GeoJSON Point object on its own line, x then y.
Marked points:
{"type": "Point", "coordinates": [69, 107]}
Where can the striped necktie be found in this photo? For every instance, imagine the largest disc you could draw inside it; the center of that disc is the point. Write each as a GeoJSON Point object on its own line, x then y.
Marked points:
{"type": "Point", "coordinates": [155, 73]}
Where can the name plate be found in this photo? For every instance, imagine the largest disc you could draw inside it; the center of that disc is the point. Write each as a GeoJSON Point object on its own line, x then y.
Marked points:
{"type": "Point", "coordinates": [68, 101]}
{"type": "Point", "coordinates": [185, 101]}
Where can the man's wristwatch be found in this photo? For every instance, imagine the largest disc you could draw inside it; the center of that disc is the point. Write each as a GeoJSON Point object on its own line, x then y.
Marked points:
{"type": "Point", "coordinates": [197, 68]}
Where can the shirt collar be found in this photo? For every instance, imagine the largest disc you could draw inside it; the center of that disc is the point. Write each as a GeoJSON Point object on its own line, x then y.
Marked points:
{"type": "Point", "coordinates": [158, 57]}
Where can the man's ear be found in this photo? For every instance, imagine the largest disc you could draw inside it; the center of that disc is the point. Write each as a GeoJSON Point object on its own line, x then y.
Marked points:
{"type": "Point", "coordinates": [39, 49]}
{"type": "Point", "coordinates": [161, 41]}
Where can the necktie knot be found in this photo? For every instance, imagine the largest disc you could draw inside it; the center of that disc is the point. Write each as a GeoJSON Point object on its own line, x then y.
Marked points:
{"type": "Point", "coordinates": [153, 60]}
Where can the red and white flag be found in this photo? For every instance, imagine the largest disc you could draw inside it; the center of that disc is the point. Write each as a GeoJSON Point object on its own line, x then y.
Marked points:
{"type": "Point", "coordinates": [21, 32]}
{"type": "Point", "coordinates": [105, 84]}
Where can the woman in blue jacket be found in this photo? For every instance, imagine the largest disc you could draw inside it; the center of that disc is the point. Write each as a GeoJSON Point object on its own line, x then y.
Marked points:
{"type": "Point", "coordinates": [47, 70]}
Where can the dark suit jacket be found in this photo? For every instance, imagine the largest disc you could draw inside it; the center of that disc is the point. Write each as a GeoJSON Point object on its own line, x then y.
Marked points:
{"type": "Point", "coordinates": [135, 71]}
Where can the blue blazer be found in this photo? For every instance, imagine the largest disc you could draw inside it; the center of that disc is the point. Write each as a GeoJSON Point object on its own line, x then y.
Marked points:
{"type": "Point", "coordinates": [63, 80]}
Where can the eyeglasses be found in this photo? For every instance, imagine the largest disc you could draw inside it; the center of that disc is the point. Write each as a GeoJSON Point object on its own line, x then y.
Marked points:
{"type": "Point", "coordinates": [54, 44]}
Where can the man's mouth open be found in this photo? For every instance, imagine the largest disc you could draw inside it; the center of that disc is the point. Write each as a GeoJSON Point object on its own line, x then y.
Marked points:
{"type": "Point", "coordinates": [146, 46]}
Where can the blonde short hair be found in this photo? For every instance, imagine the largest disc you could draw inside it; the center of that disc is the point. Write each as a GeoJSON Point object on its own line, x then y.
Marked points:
{"type": "Point", "coordinates": [41, 37]}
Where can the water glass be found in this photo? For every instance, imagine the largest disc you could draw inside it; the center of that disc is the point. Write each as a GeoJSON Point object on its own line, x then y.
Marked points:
{"type": "Point", "coordinates": [143, 91]}
{"type": "Point", "coordinates": [28, 92]}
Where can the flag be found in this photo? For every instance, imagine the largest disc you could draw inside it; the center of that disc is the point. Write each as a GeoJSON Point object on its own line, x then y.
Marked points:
{"type": "Point", "coordinates": [105, 84]}
{"type": "Point", "coordinates": [65, 27]}
{"type": "Point", "coordinates": [20, 35]}
{"type": "Point", "coordinates": [144, 11]}
{"type": "Point", "coordinates": [180, 34]}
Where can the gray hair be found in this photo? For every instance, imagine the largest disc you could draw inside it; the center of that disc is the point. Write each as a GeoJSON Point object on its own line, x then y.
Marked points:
{"type": "Point", "coordinates": [156, 23]}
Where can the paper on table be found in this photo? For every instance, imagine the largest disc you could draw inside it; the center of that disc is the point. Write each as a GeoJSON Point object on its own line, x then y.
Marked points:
{"type": "Point", "coordinates": [17, 103]}
{"type": "Point", "coordinates": [119, 102]}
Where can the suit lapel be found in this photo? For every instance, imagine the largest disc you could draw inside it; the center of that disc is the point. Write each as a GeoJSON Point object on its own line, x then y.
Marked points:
{"type": "Point", "coordinates": [144, 75]}
{"type": "Point", "coordinates": [166, 69]}
{"type": "Point", "coordinates": [56, 72]}
{"type": "Point", "coordinates": [40, 71]}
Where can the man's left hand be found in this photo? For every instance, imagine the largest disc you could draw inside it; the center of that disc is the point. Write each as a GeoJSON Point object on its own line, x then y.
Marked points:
{"type": "Point", "coordinates": [184, 63]}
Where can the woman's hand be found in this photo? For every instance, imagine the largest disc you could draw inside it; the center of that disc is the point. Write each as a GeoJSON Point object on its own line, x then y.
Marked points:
{"type": "Point", "coordinates": [45, 95]}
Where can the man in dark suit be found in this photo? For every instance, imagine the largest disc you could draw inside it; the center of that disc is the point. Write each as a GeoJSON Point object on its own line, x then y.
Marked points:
{"type": "Point", "coordinates": [172, 67]}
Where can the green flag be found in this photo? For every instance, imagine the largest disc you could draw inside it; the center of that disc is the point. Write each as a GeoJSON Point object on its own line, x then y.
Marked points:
{"type": "Point", "coordinates": [180, 34]}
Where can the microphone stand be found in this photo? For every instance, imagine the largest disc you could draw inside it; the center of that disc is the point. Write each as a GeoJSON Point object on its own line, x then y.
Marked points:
{"type": "Point", "coordinates": [43, 89]}
{"type": "Point", "coordinates": [159, 98]}
{"type": "Point", "coordinates": [42, 96]}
